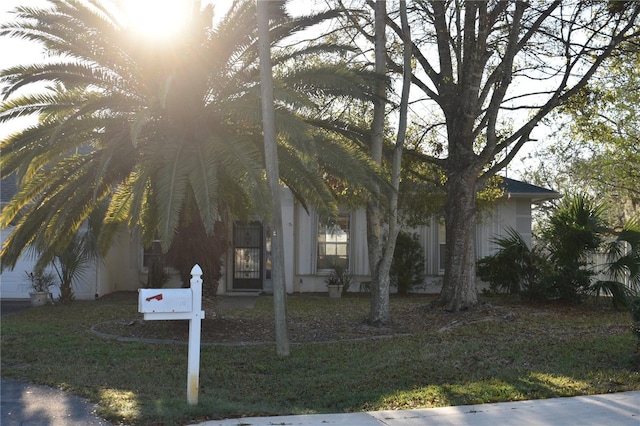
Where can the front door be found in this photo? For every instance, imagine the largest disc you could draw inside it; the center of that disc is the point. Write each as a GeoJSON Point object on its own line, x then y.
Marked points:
{"type": "Point", "coordinates": [247, 256]}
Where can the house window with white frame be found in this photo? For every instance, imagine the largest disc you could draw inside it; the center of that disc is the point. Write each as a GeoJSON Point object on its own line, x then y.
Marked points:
{"type": "Point", "coordinates": [333, 243]}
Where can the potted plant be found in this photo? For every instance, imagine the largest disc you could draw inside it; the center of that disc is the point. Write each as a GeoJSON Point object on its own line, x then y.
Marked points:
{"type": "Point", "coordinates": [338, 282]}
{"type": "Point", "coordinates": [40, 283]}
{"type": "Point", "coordinates": [334, 285]}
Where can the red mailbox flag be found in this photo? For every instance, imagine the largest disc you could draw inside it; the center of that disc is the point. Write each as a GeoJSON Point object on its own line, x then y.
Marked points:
{"type": "Point", "coordinates": [156, 297]}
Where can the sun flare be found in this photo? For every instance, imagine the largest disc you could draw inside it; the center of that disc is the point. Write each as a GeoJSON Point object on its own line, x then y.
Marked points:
{"type": "Point", "coordinates": [156, 19]}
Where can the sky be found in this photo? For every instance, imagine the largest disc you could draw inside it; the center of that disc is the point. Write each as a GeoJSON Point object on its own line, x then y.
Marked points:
{"type": "Point", "coordinates": [14, 52]}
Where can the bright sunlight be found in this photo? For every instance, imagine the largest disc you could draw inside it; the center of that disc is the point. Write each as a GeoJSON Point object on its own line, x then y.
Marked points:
{"type": "Point", "coordinates": [156, 19]}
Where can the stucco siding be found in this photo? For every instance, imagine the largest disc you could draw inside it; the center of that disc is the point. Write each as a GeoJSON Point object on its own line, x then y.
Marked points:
{"type": "Point", "coordinates": [122, 267]}
{"type": "Point", "coordinates": [13, 284]}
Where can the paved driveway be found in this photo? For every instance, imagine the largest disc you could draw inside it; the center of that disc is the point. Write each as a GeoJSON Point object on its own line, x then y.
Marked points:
{"type": "Point", "coordinates": [8, 306]}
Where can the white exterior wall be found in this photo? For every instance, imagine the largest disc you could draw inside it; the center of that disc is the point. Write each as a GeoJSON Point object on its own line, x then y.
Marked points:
{"type": "Point", "coordinates": [514, 213]}
{"type": "Point", "coordinates": [523, 219]}
{"type": "Point", "coordinates": [14, 285]}
{"type": "Point", "coordinates": [359, 260]}
{"type": "Point", "coordinates": [288, 234]}
{"type": "Point", "coordinates": [121, 269]}
{"type": "Point", "coordinates": [306, 225]}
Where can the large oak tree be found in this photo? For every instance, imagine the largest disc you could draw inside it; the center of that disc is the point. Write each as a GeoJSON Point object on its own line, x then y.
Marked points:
{"type": "Point", "coordinates": [487, 74]}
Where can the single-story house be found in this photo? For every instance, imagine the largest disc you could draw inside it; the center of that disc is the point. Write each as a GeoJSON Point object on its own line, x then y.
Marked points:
{"type": "Point", "coordinates": [310, 248]}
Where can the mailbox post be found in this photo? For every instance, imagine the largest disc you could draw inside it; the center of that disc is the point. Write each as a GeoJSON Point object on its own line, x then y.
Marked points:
{"type": "Point", "coordinates": [179, 303]}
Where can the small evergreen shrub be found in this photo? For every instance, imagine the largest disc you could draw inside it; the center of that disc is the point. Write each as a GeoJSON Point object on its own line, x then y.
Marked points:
{"type": "Point", "coordinates": [514, 268]}
{"type": "Point", "coordinates": [566, 282]}
{"type": "Point", "coordinates": [575, 230]}
{"type": "Point", "coordinates": [634, 306]}
{"type": "Point", "coordinates": [407, 267]}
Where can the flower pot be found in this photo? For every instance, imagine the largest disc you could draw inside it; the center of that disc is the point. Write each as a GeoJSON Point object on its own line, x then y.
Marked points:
{"type": "Point", "coordinates": [335, 291]}
{"type": "Point", "coordinates": [40, 298]}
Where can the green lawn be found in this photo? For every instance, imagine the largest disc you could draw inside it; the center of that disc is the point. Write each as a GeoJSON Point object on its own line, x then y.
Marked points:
{"type": "Point", "coordinates": [539, 352]}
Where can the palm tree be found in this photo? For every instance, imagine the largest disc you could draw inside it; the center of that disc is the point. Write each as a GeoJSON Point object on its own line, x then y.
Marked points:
{"type": "Point", "coordinates": [624, 255]}
{"type": "Point", "coordinates": [514, 268]}
{"type": "Point", "coordinates": [154, 130]}
{"type": "Point", "coordinates": [575, 230]}
{"type": "Point", "coordinates": [623, 266]}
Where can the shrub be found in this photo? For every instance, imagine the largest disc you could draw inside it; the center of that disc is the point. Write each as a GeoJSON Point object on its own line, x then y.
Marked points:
{"type": "Point", "coordinates": [574, 230]}
{"type": "Point", "coordinates": [192, 245]}
{"type": "Point", "coordinates": [407, 267]}
{"type": "Point", "coordinates": [567, 282]}
{"type": "Point", "coordinates": [340, 276]}
{"type": "Point", "coordinates": [623, 265]}
{"type": "Point", "coordinates": [40, 281]}
{"type": "Point", "coordinates": [514, 268]}
{"type": "Point", "coordinates": [634, 305]}
{"type": "Point", "coordinates": [557, 268]}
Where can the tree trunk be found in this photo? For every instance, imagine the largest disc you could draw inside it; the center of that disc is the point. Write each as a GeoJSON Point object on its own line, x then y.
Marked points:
{"type": "Point", "coordinates": [273, 179]}
{"type": "Point", "coordinates": [380, 310]}
{"type": "Point", "coordinates": [156, 275]}
{"type": "Point", "coordinates": [459, 290]}
{"type": "Point", "coordinates": [380, 313]}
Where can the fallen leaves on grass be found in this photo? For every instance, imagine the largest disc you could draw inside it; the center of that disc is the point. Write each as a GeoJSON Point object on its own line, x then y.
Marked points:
{"type": "Point", "coordinates": [318, 319]}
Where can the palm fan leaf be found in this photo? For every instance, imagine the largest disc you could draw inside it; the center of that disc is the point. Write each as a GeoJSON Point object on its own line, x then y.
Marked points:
{"type": "Point", "coordinates": [145, 133]}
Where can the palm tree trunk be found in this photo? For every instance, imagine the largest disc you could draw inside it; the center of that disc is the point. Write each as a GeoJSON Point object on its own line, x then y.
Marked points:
{"type": "Point", "coordinates": [273, 179]}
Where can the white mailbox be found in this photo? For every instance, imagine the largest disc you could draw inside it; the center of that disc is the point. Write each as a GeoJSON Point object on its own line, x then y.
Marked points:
{"type": "Point", "coordinates": [165, 300]}
{"type": "Point", "coordinates": [174, 304]}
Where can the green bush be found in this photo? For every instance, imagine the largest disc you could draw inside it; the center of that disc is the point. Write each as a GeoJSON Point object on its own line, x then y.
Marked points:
{"type": "Point", "coordinates": [567, 282]}
{"type": "Point", "coordinates": [514, 268]}
{"type": "Point", "coordinates": [407, 267]}
{"type": "Point", "coordinates": [634, 306]}
{"type": "Point", "coordinates": [623, 265]}
{"type": "Point", "coordinates": [575, 230]}
{"type": "Point", "coordinates": [557, 268]}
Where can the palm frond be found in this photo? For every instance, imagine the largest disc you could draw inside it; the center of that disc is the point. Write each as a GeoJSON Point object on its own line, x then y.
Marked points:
{"type": "Point", "coordinates": [203, 179]}
{"type": "Point", "coordinates": [172, 183]}
{"type": "Point", "coordinates": [148, 132]}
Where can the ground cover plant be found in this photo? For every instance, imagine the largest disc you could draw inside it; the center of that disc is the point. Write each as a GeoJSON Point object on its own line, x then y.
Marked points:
{"type": "Point", "coordinates": [503, 350]}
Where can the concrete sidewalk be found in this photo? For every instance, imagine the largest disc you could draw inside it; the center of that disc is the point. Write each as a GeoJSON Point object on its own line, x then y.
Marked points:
{"type": "Point", "coordinates": [26, 404]}
{"type": "Point", "coordinates": [620, 409]}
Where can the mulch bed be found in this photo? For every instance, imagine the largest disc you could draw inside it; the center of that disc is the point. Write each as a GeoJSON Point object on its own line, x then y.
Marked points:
{"type": "Point", "coordinates": [410, 317]}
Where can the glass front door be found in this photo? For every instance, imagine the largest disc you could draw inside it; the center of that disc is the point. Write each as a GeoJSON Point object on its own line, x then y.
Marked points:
{"type": "Point", "coordinates": [247, 256]}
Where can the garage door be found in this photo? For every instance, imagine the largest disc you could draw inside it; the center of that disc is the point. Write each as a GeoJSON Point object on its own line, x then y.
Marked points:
{"type": "Point", "coordinates": [13, 283]}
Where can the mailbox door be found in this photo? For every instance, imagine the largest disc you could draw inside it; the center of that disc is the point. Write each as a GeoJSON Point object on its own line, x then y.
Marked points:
{"type": "Point", "coordinates": [165, 300]}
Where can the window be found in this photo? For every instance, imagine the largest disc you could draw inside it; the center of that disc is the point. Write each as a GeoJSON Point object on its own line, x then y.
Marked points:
{"type": "Point", "coordinates": [333, 243]}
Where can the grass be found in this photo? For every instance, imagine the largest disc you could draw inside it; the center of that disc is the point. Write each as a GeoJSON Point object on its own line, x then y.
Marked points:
{"type": "Point", "coordinates": [540, 352]}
